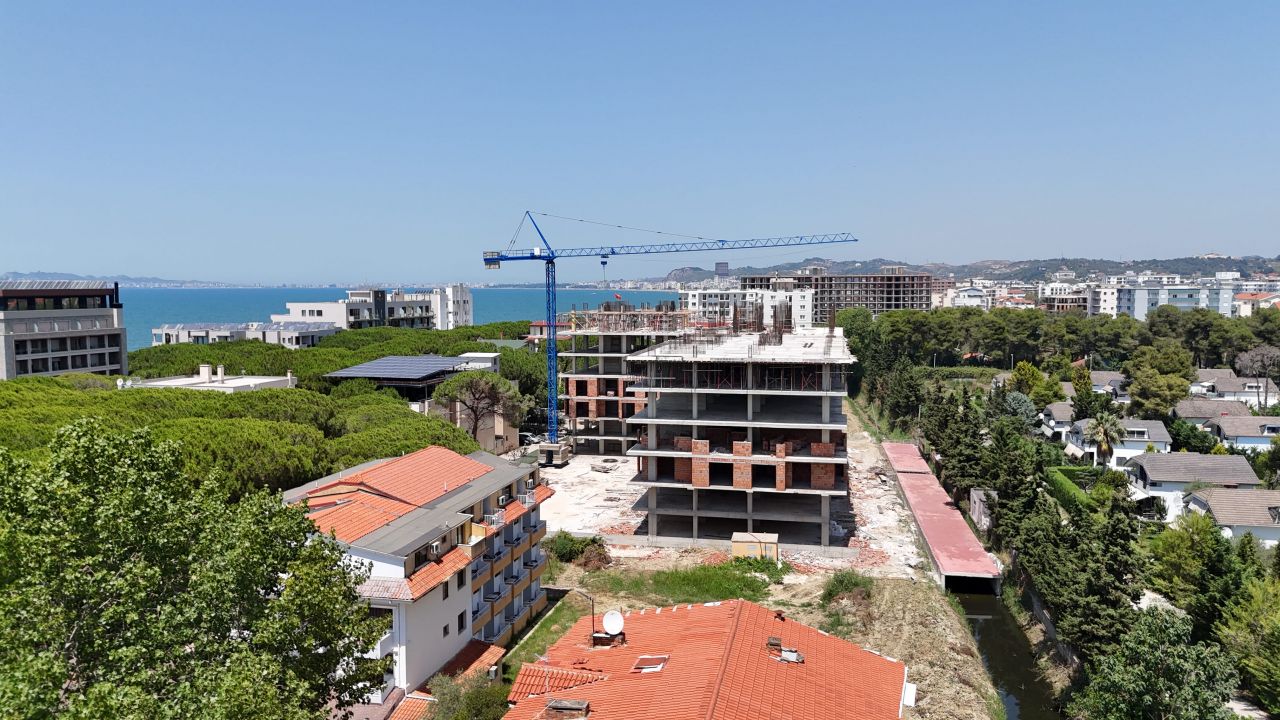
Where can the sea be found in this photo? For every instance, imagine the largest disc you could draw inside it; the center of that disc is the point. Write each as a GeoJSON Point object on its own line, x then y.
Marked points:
{"type": "Point", "coordinates": [147, 308]}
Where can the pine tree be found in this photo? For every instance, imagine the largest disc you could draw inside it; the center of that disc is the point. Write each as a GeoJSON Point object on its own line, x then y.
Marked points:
{"type": "Point", "coordinates": [1249, 557]}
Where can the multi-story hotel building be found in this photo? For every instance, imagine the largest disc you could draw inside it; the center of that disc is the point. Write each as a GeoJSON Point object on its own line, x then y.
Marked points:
{"type": "Point", "coordinates": [61, 326]}
{"type": "Point", "coordinates": [453, 543]}
{"type": "Point", "coordinates": [364, 309]}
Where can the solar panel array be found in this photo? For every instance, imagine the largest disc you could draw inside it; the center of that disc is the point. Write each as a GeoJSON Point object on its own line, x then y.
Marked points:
{"type": "Point", "coordinates": [401, 367]}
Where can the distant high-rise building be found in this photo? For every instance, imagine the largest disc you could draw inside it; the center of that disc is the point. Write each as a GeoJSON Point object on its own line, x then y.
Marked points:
{"type": "Point", "coordinates": [52, 327]}
{"type": "Point", "coordinates": [722, 269]}
{"type": "Point", "coordinates": [893, 288]}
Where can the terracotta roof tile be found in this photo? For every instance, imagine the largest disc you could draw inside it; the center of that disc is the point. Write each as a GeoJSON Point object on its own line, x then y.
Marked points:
{"type": "Point", "coordinates": [718, 667]}
{"type": "Point", "coordinates": [411, 708]}
{"type": "Point", "coordinates": [352, 515]}
{"type": "Point", "coordinates": [475, 656]}
{"type": "Point", "coordinates": [432, 574]}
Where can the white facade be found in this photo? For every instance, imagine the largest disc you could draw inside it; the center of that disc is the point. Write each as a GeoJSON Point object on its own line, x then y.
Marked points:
{"type": "Point", "coordinates": [718, 304]}
{"type": "Point", "coordinates": [365, 308]}
{"type": "Point", "coordinates": [58, 327]}
{"type": "Point", "coordinates": [286, 334]}
{"type": "Point", "coordinates": [1103, 300]}
{"type": "Point", "coordinates": [1139, 436]}
{"type": "Point", "coordinates": [974, 297]}
{"type": "Point", "coordinates": [451, 307]}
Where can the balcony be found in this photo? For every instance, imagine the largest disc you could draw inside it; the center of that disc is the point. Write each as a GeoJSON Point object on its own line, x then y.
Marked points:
{"type": "Point", "coordinates": [480, 570]}
{"type": "Point", "coordinates": [481, 614]}
{"type": "Point", "coordinates": [539, 532]}
{"type": "Point", "coordinates": [495, 520]}
{"type": "Point", "coordinates": [527, 499]}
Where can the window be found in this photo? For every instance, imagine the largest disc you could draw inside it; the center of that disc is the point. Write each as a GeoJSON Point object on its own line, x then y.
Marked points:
{"type": "Point", "coordinates": [462, 621]}
{"type": "Point", "coordinates": [1275, 515]}
{"type": "Point", "coordinates": [649, 663]}
{"type": "Point", "coordinates": [461, 578]}
{"type": "Point", "coordinates": [445, 630]}
{"type": "Point", "coordinates": [444, 589]}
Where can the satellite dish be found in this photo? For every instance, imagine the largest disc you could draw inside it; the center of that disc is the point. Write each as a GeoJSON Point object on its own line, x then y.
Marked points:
{"type": "Point", "coordinates": [613, 622]}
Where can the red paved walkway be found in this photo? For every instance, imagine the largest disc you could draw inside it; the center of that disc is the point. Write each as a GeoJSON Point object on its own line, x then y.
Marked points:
{"type": "Point", "coordinates": [953, 545]}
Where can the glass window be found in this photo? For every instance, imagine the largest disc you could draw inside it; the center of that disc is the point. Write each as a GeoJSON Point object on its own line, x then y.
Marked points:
{"type": "Point", "coordinates": [462, 621]}
{"type": "Point", "coordinates": [446, 630]}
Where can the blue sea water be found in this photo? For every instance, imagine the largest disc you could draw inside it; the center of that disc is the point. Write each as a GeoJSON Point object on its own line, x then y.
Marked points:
{"type": "Point", "coordinates": [146, 308]}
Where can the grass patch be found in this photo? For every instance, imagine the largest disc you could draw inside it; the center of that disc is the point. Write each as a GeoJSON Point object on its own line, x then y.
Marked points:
{"type": "Point", "coordinates": [555, 623]}
{"type": "Point", "coordinates": [554, 568]}
{"type": "Point", "coordinates": [700, 583]}
{"type": "Point", "coordinates": [844, 582]}
{"type": "Point", "coordinates": [874, 422]}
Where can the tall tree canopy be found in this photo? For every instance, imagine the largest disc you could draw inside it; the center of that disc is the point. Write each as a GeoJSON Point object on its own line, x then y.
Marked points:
{"type": "Point", "coordinates": [1158, 672]}
{"type": "Point", "coordinates": [129, 591]}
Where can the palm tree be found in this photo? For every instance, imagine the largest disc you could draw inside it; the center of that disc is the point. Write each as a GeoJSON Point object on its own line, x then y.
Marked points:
{"type": "Point", "coordinates": [1105, 432]}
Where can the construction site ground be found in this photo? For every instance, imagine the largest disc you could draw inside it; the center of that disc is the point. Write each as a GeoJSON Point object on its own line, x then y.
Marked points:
{"type": "Point", "coordinates": [906, 619]}
{"type": "Point", "coordinates": [595, 495]}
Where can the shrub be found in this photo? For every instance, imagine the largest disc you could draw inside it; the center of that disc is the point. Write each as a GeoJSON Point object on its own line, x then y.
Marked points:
{"type": "Point", "coordinates": [845, 582]}
{"type": "Point", "coordinates": [568, 548]}
{"type": "Point", "coordinates": [1068, 494]}
{"type": "Point", "coordinates": [771, 569]}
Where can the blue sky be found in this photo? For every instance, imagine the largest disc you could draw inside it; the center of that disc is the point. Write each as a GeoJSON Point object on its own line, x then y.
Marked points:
{"type": "Point", "coordinates": [348, 142]}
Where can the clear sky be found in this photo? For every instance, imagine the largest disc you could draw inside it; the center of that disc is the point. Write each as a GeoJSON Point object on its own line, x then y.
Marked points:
{"type": "Point", "coordinates": [350, 142]}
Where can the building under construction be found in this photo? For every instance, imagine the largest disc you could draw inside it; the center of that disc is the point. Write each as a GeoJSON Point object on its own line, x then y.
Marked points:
{"type": "Point", "coordinates": [742, 429]}
{"type": "Point", "coordinates": [893, 288]}
{"type": "Point", "coordinates": [594, 368]}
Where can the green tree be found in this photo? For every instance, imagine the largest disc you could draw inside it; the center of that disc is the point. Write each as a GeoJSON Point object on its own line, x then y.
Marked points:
{"type": "Point", "coordinates": [1020, 406]}
{"type": "Point", "coordinates": [1158, 672]}
{"type": "Point", "coordinates": [468, 697]}
{"type": "Point", "coordinates": [482, 395]}
{"type": "Point", "coordinates": [1152, 394]}
{"type": "Point", "coordinates": [1105, 432]}
{"type": "Point", "coordinates": [1188, 437]}
{"type": "Point", "coordinates": [1264, 670]}
{"type": "Point", "coordinates": [860, 333]}
{"type": "Point", "coordinates": [1253, 615]}
{"type": "Point", "coordinates": [1164, 357]}
{"type": "Point", "coordinates": [1049, 390]}
{"type": "Point", "coordinates": [130, 591]}
{"type": "Point", "coordinates": [1025, 378]}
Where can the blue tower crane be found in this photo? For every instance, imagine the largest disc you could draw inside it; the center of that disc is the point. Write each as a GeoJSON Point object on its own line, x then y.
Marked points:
{"type": "Point", "coordinates": [493, 260]}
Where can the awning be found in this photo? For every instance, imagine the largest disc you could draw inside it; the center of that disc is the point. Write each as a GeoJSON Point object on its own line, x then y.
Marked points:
{"type": "Point", "coordinates": [1137, 493]}
{"type": "Point", "coordinates": [1073, 451]}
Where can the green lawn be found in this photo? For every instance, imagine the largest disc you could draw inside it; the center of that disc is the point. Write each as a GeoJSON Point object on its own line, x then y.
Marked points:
{"type": "Point", "coordinates": [699, 583]}
{"type": "Point", "coordinates": [540, 635]}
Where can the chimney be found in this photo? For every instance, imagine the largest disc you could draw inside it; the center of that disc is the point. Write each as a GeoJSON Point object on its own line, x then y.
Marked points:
{"type": "Point", "coordinates": [206, 372]}
{"type": "Point", "coordinates": [222, 374]}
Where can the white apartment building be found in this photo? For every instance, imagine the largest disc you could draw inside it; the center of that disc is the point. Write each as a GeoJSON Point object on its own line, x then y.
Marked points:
{"type": "Point", "coordinates": [971, 296]}
{"type": "Point", "coordinates": [718, 304]}
{"type": "Point", "coordinates": [451, 307]}
{"type": "Point", "coordinates": [61, 326]}
{"type": "Point", "coordinates": [1137, 301]}
{"type": "Point", "coordinates": [287, 334]}
{"type": "Point", "coordinates": [1104, 300]}
{"type": "Point", "coordinates": [455, 557]}
{"type": "Point", "coordinates": [1140, 436]}
{"type": "Point", "coordinates": [363, 309]}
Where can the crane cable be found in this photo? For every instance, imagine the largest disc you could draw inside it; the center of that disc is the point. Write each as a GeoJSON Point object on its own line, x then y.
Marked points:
{"type": "Point", "coordinates": [620, 227]}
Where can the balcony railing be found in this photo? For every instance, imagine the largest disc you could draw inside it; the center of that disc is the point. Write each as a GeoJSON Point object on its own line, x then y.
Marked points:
{"type": "Point", "coordinates": [527, 499]}
{"type": "Point", "coordinates": [496, 520]}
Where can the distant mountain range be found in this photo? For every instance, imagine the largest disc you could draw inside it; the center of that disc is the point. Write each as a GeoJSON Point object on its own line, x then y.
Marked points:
{"type": "Point", "coordinates": [1021, 270]}
{"type": "Point", "coordinates": [124, 280]}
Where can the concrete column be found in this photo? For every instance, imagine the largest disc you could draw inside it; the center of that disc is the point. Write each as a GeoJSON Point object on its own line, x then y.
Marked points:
{"type": "Point", "coordinates": [693, 397]}
{"type": "Point", "coordinates": [826, 376]}
{"type": "Point", "coordinates": [826, 409]}
{"type": "Point", "coordinates": [653, 509]}
{"type": "Point", "coordinates": [695, 513]}
{"type": "Point", "coordinates": [826, 436]}
{"type": "Point", "coordinates": [651, 397]}
{"type": "Point", "coordinates": [750, 404]}
{"type": "Point", "coordinates": [826, 520]}
{"type": "Point", "coordinates": [750, 510]}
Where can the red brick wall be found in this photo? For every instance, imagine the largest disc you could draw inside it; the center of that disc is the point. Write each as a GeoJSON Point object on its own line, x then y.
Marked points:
{"type": "Point", "coordinates": [742, 474]}
{"type": "Point", "coordinates": [701, 472]}
{"type": "Point", "coordinates": [684, 443]}
{"type": "Point", "coordinates": [823, 476]}
{"type": "Point", "coordinates": [741, 448]}
{"type": "Point", "coordinates": [821, 449]}
{"type": "Point", "coordinates": [684, 469]}
{"type": "Point", "coordinates": [701, 447]}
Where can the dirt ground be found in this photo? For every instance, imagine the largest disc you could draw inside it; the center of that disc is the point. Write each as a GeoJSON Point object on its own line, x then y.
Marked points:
{"type": "Point", "coordinates": [591, 500]}
{"type": "Point", "coordinates": [908, 620]}
{"type": "Point", "coordinates": [884, 524]}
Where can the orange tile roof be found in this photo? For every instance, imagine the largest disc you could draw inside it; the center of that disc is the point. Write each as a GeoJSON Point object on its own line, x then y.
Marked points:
{"type": "Point", "coordinates": [352, 515]}
{"type": "Point", "coordinates": [411, 708]}
{"type": "Point", "coordinates": [357, 504]}
{"type": "Point", "coordinates": [475, 656]}
{"type": "Point", "coordinates": [718, 668]}
{"type": "Point", "coordinates": [432, 574]}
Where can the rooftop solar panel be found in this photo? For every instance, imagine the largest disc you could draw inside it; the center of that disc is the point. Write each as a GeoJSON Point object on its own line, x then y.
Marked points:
{"type": "Point", "coordinates": [401, 367]}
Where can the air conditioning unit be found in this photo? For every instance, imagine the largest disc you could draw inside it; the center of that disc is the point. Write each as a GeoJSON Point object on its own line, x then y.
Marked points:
{"type": "Point", "coordinates": [434, 549]}
{"type": "Point", "coordinates": [504, 501]}
{"type": "Point", "coordinates": [530, 483]}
